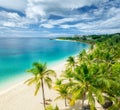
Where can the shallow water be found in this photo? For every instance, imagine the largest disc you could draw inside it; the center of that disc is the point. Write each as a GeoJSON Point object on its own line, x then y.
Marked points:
{"type": "Point", "coordinates": [18, 54]}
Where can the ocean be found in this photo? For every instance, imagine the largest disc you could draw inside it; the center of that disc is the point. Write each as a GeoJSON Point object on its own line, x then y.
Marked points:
{"type": "Point", "coordinates": [18, 54]}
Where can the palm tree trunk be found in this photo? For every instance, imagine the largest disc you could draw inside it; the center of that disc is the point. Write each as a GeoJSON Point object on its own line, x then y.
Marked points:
{"type": "Point", "coordinates": [43, 92]}
{"type": "Point", "coordinates": [65, 102]}
{"type": "Point", "coordinates": [83, 101]}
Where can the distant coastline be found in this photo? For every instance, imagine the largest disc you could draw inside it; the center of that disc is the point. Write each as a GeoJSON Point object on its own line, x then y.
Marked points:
{"type": "Point", "coordinates": [89, 39]}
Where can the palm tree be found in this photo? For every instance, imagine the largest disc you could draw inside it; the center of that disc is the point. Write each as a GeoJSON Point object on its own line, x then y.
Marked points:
{"type": "Point", "coordinates": [84, 80]}
{"type": "Point", "coordinates": [71, 62]}
{"type": "Point", "coordinates": [63, 93]}
{"type": "Point", "coordinates": [62, 90]}
{"type": "Point", "coordinates": [95, 82]}
{"type": "Point", "coordinates": [41, 75]}
{"type": "Point", "coordinates": [82, 54]}
{"type": "Point", "coordinates": [90, 81]}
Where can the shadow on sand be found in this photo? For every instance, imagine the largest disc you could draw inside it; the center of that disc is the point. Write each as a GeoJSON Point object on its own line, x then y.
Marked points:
{"type": "Point", "coordinates": [77, 106]}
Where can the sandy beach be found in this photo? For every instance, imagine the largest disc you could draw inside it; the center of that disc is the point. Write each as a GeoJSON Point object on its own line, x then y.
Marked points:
{"type": "Point", "coordinates": [21, 96]}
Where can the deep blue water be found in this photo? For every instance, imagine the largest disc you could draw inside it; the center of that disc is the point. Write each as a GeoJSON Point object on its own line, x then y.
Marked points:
{"type": "Point", "coordinates": [18, 54]}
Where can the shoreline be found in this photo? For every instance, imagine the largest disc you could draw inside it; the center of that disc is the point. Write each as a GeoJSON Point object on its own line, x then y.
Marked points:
{"type": "Point", "coordinates": [22, 96]}
{"type": "Point", "coordinates": [88, 43]}
{"type": "Point", "coordinates": [4, 88]}
{"type": "Point", "coordinates": [22, 78]}
{"type": "Point", "coordinates": [27, 76]}
{"type": "Point", "coordinates": [17, 80]}
{"type": "Point", "coordinates": [10, 83]}
{"type": "Point", "coordinates": [13, 82]}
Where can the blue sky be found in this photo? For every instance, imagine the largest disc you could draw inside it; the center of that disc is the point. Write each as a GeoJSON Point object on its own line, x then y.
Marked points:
{"type": "Point", "coordinates": [52, 18]}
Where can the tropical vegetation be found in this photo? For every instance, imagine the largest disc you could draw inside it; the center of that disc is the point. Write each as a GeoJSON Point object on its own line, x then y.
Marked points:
{"type": "Point", "coordinates": [95, 76]}
{"type": "Point", "coordinates": [91, 77]}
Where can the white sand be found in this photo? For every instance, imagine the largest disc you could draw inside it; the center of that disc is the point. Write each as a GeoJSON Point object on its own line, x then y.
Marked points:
{"type": "Point", "coordinates": [21, 96]}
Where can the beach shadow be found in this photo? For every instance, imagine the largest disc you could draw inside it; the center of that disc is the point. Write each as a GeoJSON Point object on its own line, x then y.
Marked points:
{"type": "Point", "coordinates": [47, 102]}
{"type": "Point", "coordinates": [77, 106]}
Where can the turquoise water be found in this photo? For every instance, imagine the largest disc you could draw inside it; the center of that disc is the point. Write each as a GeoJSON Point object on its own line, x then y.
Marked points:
{"type": "Point", "coordinates": [18, 54]}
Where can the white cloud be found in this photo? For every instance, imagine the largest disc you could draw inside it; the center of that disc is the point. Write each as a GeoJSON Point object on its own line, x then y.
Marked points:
{"type": "Point", "coordinates": [113, 22]}
{"type": "Point", "coordinates": [52, 23]}
{"type": "Point", "coordinates": [8, 15]}
{"type": "Point", "coordinates": [9, 24]}
{"type": "Point", "coordinates": [19, 5]}
{"type": "Point", "coordinates": [42, 8]}
{"type": "Point", "coordinates": [9, 19]}
{"type": "Point", "coordinates": [12, 19]}
{"type": "Point", "coordinates": [13, 16]}
{"type": "Point", "coordinates": [109, 20]}
{"type": "Point", "coordinates": [47, 25]}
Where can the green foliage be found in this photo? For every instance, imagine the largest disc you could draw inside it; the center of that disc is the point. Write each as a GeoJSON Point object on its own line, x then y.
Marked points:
{"type": "Point", "coordinates": [95, 76]}
{"type": "Point", "coordinates": [71, 62]}
{"type": "Point", "coordinates": [50, 107]}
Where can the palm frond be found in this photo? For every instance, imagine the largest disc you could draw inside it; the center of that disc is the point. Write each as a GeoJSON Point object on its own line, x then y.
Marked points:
{"type": "Point", "coordinates": [37, 88]}
{"type": "Point", "coordinates": [48, 81]}
{"type": "Point", "coordinates": [77, 92]}
{"type": "Point", "coordinates": [91, 101]}
{"type": "Point", "coordinates": [30, 81]}
{"type": "Point", "coordinates": [58, 97]}
{"type": "Point", "coordinates": [50, 73]}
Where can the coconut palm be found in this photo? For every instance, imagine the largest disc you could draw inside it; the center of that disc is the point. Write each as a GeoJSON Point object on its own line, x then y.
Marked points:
{"type": "Point", "coordinates": [41, 75]}
{"type": "Point", "coordinates": [108, 82]}
{"type": "Point", "coordinates": [84, 86]}
{"type": "Point", "coordinates": [91, 82]}
{"type": "Point", "coordinates": [82, 55]}
{"type": "Point", "coordinates": [71, 62]}
{"type": "Point", "coordinates": [62, 89]}
{"type": "Point", "coordinates": [63, 93]}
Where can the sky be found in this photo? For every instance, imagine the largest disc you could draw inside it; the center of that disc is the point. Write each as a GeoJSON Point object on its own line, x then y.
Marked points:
{"type": "Point", "coordinates": [54, 18]}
